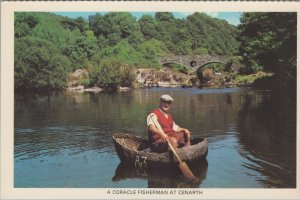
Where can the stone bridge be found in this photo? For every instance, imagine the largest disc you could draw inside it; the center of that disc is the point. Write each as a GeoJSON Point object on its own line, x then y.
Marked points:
{"type": "Point", "coordinates": [194, 62]}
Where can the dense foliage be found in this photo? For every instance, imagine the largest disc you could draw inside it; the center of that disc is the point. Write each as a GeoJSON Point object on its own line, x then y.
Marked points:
{"type": "Point", "coordinates": [269, 42]}
{"type": "Point", "coordinates": [113, 73]}
{"type": "Point", "coordinates": [48, 47]}
{"type": "Point", "coordinates": [47, 44]}
{"type": "Point", "coordinates": [39, 65]}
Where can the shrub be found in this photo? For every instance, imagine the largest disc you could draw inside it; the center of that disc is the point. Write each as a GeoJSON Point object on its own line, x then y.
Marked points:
{"type": "Point", "coordinates": [180, 68]}
{"type": "Point", "coordinates": [39, 65]}
{"type": "Point", "coordinates": [86, 82]}
{"type": "Point", "coordinates": [207, 74]}
{"type": "Point", "coordinates": [201, 51]}
{"type": "Point", "coordinates": [233, 64]}
{"type": "Point", "coordinates": [112, 73]}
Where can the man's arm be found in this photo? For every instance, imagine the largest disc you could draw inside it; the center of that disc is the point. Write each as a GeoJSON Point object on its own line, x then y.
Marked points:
{"type": "Point", "coordinates": [179, 129]}
{"type": "Point", "coordinates": [153, 129]}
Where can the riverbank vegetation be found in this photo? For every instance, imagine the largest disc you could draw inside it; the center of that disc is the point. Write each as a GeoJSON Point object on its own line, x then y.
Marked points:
{"type": "Point", "coordinates": [268, 42]}
{"type": "Point", "coordinates": [112, 47]}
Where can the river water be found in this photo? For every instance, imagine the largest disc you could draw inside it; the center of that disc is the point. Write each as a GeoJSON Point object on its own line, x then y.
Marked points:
{"type": "Point", "coordinates": [64, 140]}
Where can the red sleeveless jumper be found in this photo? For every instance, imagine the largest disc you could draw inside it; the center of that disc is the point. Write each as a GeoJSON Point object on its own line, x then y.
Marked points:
{"type": "Point", "coordinates": [167, 126]}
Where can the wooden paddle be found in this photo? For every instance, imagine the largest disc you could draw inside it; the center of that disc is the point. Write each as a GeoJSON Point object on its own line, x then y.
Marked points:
{"type": "Point", "coordinates": [182, 165]}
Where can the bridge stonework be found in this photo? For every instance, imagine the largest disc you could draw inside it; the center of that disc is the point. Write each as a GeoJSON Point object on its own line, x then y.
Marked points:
{"type": "Point", "coordinates": [194, 62]}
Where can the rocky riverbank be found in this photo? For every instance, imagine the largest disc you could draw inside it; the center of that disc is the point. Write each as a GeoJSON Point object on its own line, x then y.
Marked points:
{"type": "Point", "coordinates": [145, 78]}
{"type": "Point", "coordinates": [166, 77]}
{"type": "Point", "coordinates": [163, 78]}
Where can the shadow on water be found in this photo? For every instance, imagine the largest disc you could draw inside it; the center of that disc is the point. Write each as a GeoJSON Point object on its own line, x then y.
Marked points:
{"type": "Point", "coordinates": [267, 126]}
{"type": "Point", "coordinates": [163, 178]}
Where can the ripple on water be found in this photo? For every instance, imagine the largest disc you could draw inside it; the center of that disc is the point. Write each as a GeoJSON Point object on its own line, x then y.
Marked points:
{"type": "Point", "coordinates": [51, 141]}
{"type": "Point", "coordinates": [65, 140]}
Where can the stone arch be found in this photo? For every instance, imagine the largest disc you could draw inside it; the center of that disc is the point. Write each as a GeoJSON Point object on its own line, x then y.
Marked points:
{"type": "Point", "coordinates": [209, 62]}
{"type": "Point", "coordinates": [192, 63]}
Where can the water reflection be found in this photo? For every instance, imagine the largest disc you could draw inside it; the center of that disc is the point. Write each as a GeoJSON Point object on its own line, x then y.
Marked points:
{"type": "Point", "coordinates": [52, 141]}
{"type": "Point", "coordinates": [267, 123]}
{"type": "Point", "coordinates": [163, 178]}
{"type": "Point", "coordinates": [252, 135]}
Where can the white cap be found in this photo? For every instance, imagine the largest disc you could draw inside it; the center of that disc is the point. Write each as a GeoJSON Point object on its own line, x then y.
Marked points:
{"type": "Point", "coordinates": [166, 97]}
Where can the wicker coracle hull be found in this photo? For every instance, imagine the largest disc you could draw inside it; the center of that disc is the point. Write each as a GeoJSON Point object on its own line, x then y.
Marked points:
{"type": "Point", "coordinates": [134, 151]}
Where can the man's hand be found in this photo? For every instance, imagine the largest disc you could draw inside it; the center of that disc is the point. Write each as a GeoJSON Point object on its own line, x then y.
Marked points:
{"type": "Point", "coordinates": [165, 137]}
{"type": "Point", "coordinates": [187, 133]}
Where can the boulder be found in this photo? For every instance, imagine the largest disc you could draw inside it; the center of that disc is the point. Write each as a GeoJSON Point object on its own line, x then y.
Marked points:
{"type": "Point", "coordinates": [124, 89]}
{"type": "Point", "coordinates": [93, 89]}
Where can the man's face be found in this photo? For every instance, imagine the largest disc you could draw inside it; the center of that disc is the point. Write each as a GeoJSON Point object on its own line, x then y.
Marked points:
{"type": "Point", "coordinates": [165, 105]}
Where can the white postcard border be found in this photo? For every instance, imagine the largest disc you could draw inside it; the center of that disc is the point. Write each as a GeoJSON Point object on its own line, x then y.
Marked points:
{"type": "Point", "coordinates": [7, 97]}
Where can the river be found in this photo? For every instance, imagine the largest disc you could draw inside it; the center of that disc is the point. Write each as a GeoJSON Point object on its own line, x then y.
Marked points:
{"type": "Point", "coordinates": [64, 139]}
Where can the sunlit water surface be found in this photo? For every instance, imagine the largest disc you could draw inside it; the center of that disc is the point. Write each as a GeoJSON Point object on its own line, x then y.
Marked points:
{"type": "Point", "coordinates": [64, 140]}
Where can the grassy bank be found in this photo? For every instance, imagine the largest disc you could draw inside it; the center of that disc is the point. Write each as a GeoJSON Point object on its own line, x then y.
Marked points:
{"type": "Point", "coordinates": [251, 78]}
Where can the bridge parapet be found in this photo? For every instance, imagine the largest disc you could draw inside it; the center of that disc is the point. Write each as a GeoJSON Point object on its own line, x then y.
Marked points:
{"type": "Point", "coordinates": [192, 62]}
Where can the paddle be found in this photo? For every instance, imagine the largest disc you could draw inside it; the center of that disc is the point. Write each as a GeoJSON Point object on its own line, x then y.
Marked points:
{"type": "Point", "coordinates": [182, 165]}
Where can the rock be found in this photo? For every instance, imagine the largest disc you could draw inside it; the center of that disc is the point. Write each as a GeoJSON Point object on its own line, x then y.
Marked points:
{"type": "Point", "coordinates": [139, 77]}
{"type": "Point", "coordinates": [186, 84]}
{"type": "Point", "coordinates": [124, 89]}
{"type": "Point", "coordinates": [160, 78]}
{"type": "Point", "coordinates": [93, 89]}
{"type": "Point", "coordinates": [79, 73]}
{"type": "Point", "coordinates": [79, 88]}
{"type": "Point", "coordinates": [207, 74]}
{"type": "Point", "coordinates": [76, 76]}
{"type": "Point", "coordinates": [168, 84]}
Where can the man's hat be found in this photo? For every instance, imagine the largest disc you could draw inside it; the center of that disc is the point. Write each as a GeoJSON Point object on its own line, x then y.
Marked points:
{"type": "Point", "coordinates": [166, 97]}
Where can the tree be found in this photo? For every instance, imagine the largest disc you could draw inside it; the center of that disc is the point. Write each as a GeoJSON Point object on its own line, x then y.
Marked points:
{"type": "Point", "coordinates": [115, 27]}
{"type": "Point", "coordinates": [50, 28]}
{"type": "Point", "coordinates": [83, 48]}
{"type": "Point", "coordinates": [217, 36]}
{"type": "Point", "coordinates": [24, 23]}
{"type": "Point", "coordinates": [39, 65]}
{"type": "Point", "coordinates": [148, 27]}
{"type": "Point", "coordinates": [113, 73]}
{"type": "Point", "coordinates": [78, 23]}
{"type": "Point", "coordinates": [269, 40]}
{"type": "Point", "coordinates": [166, 28]}
{"type": "Point", "coordinates": [77, 43]}
{"type": "Point", "coordinates": [125, 53]}
{"type": "Point", "coordinates": [150, 51]}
